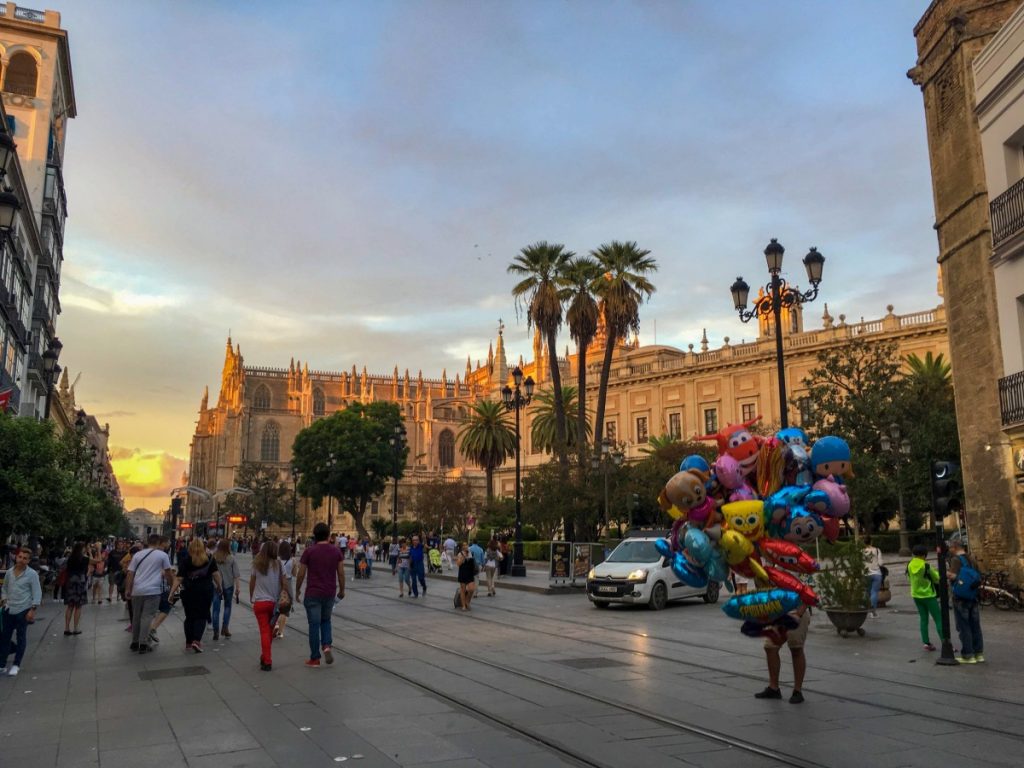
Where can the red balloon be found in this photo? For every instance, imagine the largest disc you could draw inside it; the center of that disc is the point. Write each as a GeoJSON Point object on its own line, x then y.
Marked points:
{"type": "Point", "coordinates": [786, 554]}
{"type": "Point", "coordinates": [784, 580]}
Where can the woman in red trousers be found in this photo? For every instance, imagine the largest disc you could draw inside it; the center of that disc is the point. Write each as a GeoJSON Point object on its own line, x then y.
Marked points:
{"type": "Point", "coordinates": [266, 585]}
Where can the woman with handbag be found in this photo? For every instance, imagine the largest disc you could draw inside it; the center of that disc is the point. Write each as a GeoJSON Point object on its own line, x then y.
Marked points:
{"type": "Point", "coordinates": [492, 556]}
{"type": "Point", "coordinates": [199, 578]}
{"type": "Point", "coordinates": [467, 575]}
{"type": "Point", "coordinates": [266, 589]}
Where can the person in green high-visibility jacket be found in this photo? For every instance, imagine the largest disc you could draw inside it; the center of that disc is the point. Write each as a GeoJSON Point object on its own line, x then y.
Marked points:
{"type": "Point", "coordinates": [923, 579]}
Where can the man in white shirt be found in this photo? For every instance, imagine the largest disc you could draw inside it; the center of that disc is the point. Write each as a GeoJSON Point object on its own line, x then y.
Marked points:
{"type": "Point", "coordinates": [449, 551]}
{"type": "Point", "coordinates": [20, 597]}
{"type": "Point", "coordinates": [147, 573]}
{"type": "Point", "coordinates": [343, 545]}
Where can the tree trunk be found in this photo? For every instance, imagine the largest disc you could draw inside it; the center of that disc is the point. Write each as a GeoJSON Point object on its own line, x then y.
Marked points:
{"type": "Point", "coordinates": [561, 444]}
{"type": "Point", "coordinates": [602, 391]}
{"type": "Point", "coordinates": [581, 404]}
{"type": "Point", "coordinates": [489, 472]}
{"type": "Point", "coordinates": [359, 509]}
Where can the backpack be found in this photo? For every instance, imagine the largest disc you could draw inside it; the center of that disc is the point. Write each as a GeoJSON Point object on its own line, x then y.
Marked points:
{"type": "Point", "coordinates": [965, 586]}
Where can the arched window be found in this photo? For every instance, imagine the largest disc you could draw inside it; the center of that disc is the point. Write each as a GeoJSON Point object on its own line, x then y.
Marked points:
{"type": "Point", "coordinates": [446, 449]}
{"type": "Point", "coordinates": [22, 74]}
{"type": "Point", "coordinates": [318, 402]}
{"type": "Point", "coordinates": [262, 397]}
{"type": "Point", "coordinates": [270, 444]}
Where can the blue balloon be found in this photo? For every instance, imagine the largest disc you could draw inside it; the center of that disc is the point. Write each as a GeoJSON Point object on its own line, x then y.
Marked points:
{"type": "Point", "coordinates": [695, 461]}
{"type": "Point", "coordinates": [663, 547]}
{"type": "Point", "coordinates": [688, 573]}
{"type": "Point", "coordinates": [765, 606]}
{"type": "Point", "coordinates": [718, 569]}
{"type": "Point", "coordinates": [698, 545]}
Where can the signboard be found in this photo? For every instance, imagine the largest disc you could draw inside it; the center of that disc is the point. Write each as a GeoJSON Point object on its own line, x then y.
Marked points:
{"type": "Point", "coordinates": [238, 519]}
{"type": "Point", "coordinates": [185, 526]}
{"type": "Point", "coordinates": [580, 561]}
{"type": "Point", "coordinates": [559, 561]}
{"type": "Point", "coordinates": [263, 525]}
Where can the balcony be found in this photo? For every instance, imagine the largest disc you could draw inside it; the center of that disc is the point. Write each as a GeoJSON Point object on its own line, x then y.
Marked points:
{"type": "Point", "coordinates": [54, 200]}
{"type": "Point", "coordinates": [1007, 213]}
{"type": "Point", "coordinates": [1011, 399]}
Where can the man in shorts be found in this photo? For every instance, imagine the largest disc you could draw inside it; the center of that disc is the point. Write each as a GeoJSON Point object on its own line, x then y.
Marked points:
{"type": "Point", "coordinates": [774, 639]}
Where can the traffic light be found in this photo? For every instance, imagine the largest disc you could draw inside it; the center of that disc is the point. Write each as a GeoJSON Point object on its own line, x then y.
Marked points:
{"type": "Point", "coordinates": [945, 489]}
{"type": "Point", "coordinates": [176, 507]}
{"type": "Point", "coordinates": [634, 501]}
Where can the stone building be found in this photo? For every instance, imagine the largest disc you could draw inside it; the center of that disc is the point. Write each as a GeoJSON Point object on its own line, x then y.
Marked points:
{"type": "Point", "coordinates": [951, 37]}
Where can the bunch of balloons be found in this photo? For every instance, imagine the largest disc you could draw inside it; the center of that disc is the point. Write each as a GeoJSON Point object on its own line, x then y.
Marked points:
{"type": "Point", "coordinates": [749, 513]}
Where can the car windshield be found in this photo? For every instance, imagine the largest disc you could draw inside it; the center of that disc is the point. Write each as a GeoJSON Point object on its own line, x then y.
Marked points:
{"type": "Point", "coordinates": [634, 552]}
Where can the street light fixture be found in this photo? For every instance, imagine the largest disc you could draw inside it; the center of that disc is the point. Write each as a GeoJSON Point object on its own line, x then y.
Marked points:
{"type": "Point", "coordinates": [609, 458]}
{"type": "Point", "coordinates": [295, 499]}
{"type": "Point", "coordinates": [397, 441]}
{"type": "Point", "coordinates": [778, 294]}
{"type": "Point", "coordinates": [516, 400]}
{"type": "Point", "coordinates": [899, 449]}
{"type": "Point", "coordinates": [51, 370]}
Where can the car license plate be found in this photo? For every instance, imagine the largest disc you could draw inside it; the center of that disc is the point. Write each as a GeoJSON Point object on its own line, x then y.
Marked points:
{"type": "Point", "coordinates": [607, 589]}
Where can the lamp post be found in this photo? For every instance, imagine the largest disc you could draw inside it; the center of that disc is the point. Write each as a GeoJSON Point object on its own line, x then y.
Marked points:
{"type": "Point", "coordinates": [605, 462]}
{"type": "Point", "coordinates": [515, 400]}
{"type": "Point", "coordinates": [295, 499]}
{"type": "Point", "coordinates": [51, 371]}
{"type": "Point", "coordinates": [397, 441]}
{"type": "Point", "coordinates": [899, 449]}
{"type": "Point", "coordinates": [778, 294]}
{"type": "Point", "coordinates": [332, 462]}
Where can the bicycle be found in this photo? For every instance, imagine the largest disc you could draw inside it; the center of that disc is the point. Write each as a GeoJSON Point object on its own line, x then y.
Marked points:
{"type": "Point", "coordinates": [997, 589]}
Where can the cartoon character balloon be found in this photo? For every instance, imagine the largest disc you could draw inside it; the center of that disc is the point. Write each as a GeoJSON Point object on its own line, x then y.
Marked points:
{"type": "Point", "coordinates": [831, 456]}
{"type": "Point", "coordinates": [737, 441]}
{"type": "Point", "coordinates": [730, 474]}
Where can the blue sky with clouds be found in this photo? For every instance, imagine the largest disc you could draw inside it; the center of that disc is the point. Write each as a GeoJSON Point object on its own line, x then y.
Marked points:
{"type": "Point", "coordinates": [345, 182]}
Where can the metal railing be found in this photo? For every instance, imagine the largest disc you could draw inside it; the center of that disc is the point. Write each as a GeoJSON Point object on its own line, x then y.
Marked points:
{"type": "Point", "coordinates": [1011, 398]}
{"type": "Point", "coordinates": [1007, 213]}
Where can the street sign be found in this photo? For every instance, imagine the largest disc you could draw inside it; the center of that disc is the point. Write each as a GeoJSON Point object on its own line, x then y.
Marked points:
{"type": "Point", "coordinates": [185, 526]}
{"type": "Point", "coordinates": [238, 519]}
{"type": "Point", "coordinates": [263, 525]}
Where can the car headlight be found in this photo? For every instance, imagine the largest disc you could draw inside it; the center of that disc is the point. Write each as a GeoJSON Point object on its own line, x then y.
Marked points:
{"type": "Point", "coordinates": [639, 574]}
{"type": "Point", "coordinates": [590, 575]}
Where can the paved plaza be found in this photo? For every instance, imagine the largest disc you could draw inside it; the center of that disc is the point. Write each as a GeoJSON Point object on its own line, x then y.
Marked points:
{"type": "Point", "coordinates": [525, 679]}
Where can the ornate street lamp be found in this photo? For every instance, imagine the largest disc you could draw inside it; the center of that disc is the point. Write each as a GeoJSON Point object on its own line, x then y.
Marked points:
{"type": "Point", "coordinates": [609, 458]}
{"type": "Point", "coordinates": [51, 371]}
{"type": "Point", "coordinates": [295, 500]}
{"type": "Point", "coordinates": [7, 148]}
{"type": "Point", "coordinates": [900, 451]}
{"type": "Point", "coordinates": [397, 441]}
{"type": "Point", "coordinates": [515, 400]}
{"type": "Point", "coordinates": [778, 294]}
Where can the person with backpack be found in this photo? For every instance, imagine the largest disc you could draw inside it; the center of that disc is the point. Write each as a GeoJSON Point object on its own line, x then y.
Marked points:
{"type": "Point", "coordinates": [965, 579]}
{"type": "Point", "coordinates": [923, 579]}
{"type": "Point", "coordinates": [199, 579]}
{"type": "Point", "coordinates": [873, 561]}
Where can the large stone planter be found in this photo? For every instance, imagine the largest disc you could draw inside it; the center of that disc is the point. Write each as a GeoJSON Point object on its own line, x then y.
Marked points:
{"type": "Point", "coordinates": [847, 621]}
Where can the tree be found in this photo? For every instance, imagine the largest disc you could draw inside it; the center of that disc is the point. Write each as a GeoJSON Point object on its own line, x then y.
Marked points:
{"type": "Point", "coordinates": [499, 516]}
{"type": "Point", "coordinates": [381, 528]}
{"type": "Point", "coordinates": [551, 496]}
{"type": "Point", "coordinates": [541, 265]}
{"type": "Point", "coordinates": [932, 370]}
{"type": "Point", "coordinates": [583, 316]}
{"type": "Point", "coordinates": [270, 502]}
{"type": "Point", "coordinates": [543, 432]}
{"type": "Point", "coordinates": [443, 504]}
{"type": "Point", "coordinates": [623, 285]}
{"type": "Point", "coordinates": [348, 456]}
{"type": "Point", "coordinates": [486, 439]}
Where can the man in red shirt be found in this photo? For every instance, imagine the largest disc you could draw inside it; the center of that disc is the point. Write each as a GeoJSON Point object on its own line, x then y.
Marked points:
{"type": "Point", "coordinates": [322, 563]}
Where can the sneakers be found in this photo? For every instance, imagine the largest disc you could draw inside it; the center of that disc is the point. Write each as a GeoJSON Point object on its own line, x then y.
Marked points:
{"type": "Point", "coordinates": [769, 693]}
{"type": "Point", "coordinates": [312, 662]}
{"type": "Point", "coordinates": [144, 649]}
{"type": "Point", "coordinates": [929, 647]}
{"type": "Point", "coordinates": [13, 671]}
{"type": "Point", "coordinates": [873, 614]}
{"type": "Point", "coordinates": [265, 667]}
{"type": "Point", "coordinates": [133, 647]}
{"type": "Point", "coordinates": [796, 698]}
{"type": "Point", "coordinates": [196, 646]}
{"type": "Point", "coordinates": [216, 635]}
{"type": "Point", "coordinates": [980, 658]}
{"type": "Point", "coordinates": [328, 654]}
{"type": "Point", "coordinates": [966, 660]}
{"type": "Point", "coordinates": [225, 632]}
{"type": "Point", "coordinates": [153, 637]}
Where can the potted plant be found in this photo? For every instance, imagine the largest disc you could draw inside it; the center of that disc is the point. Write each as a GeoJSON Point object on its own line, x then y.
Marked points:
{"type": "Point", "coordinates": [841, 588]}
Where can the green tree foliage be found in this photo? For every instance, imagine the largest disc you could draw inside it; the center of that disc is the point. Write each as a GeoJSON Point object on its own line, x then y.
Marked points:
{"type": "Point", "coordinates": [499, 516]}
{"type": "Point", "coordinates": [271, 499]}
{"type": "Point", "coordinates": [540, 267]}
{"type": "Point", "coordinates": [549, 498]}
{"type": "Point", "coordinates": [543, 431]}
{"type": "Point", "coordinates": [348, 456]}
{"type": "Point", "coordinates": [381, 527]}
{"type": "Point", "coordinates": [443, 504]}
{"type": "Point", "coordinates": [623, 285]}
{"type": "Point", "coordinates": [486, 439]}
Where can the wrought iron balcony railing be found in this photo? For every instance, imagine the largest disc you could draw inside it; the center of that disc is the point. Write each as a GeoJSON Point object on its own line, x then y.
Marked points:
{"type": "Point", "coordinates": [1007, 212]}
{"type": "Point", "coordinates": [1011, 398]}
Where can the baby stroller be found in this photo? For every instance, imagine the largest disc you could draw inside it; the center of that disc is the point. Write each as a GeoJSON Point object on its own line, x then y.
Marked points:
{"type": "Point", "coordinates": [434, 561]}
{"type": "Point", "coordinates": [362, 567]}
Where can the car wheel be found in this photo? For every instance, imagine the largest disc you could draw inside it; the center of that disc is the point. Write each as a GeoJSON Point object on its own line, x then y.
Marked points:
{"type": "Point", "coordinates": [711, 595]}
{"type": "Point", "coordinates": [659, 596]}
{"type": "Point", "coordinates": [599, 603]}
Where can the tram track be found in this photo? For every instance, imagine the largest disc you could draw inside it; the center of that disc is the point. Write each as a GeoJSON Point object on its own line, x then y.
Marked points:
{"type": "Point", "coordinates": [678, 660]}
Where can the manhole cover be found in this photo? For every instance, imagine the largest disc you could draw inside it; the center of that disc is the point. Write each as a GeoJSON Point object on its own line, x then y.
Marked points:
{"type": "Point", "coordinates": [164, 674]}
{"type": "Point", "coordinates": [591, 663]}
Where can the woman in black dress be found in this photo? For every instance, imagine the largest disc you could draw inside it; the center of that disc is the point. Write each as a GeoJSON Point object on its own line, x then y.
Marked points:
{"type": "Point", "coordinates": [75, 587]}
{"type": "Point", "coordinates": [197, 573]}
{"type": "Point", "coordinates": [467, 574]}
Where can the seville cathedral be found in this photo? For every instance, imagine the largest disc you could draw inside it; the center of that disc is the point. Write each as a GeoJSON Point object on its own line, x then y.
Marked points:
{"type": "Point", "coordinates": [653, 390]}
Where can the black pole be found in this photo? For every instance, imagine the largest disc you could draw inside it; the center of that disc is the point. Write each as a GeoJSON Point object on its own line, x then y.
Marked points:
{"type": "Point", "coordinates": [394, 505]}
{"type": "Point", "coordinates": [947, 657]}
{"type": "Point", "coordinates": [779, 359]}
{"type": "Point", "coordinates": [295, 506]}
{"type": "Point", "coordinates": [518, 569]}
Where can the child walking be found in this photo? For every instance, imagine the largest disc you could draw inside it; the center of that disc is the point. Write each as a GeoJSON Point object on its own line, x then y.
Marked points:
{"type": "Point", "coordinates": [923, 579]}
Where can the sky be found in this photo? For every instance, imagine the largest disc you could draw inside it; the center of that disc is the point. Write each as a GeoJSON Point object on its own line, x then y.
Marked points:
{"type": "Point", "coordinates": [345, 183]}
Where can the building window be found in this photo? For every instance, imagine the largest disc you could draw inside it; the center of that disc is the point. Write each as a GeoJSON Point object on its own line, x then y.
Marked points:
{"type": "Point", "coordinates": [710, 421]}
{"type": "Point", "coordinates": [641, 429]}
{"type": "Point", "coordinates": [610, 431]}
{"type": "Point", "coordinates": [261, 399]}
{"type": "Point", "coordinates": [806, 407]}
{"type": "Point", "coordinates": [675, 426]}
{"type": "Point", "coordinates": [270, 444]}
{"type": "Point", "coordinates": [747, 409]}
{"type": "Point", "coordinates": [318, 402]}
{"type": "Point", "coordinates": [374, 508]}
{"type": "Point", "coordinates": [22, 74]}
{"type": "Point", "coordinates": [446, 449]}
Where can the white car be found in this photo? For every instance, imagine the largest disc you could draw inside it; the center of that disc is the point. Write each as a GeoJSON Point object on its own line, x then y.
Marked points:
{"type": "Point", "coordinates": [636, 573]}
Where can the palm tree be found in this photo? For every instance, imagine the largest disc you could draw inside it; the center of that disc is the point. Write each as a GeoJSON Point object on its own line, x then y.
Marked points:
{"type": "Point", "coordinates": [583, 316]}
{"type": "Point", "coordinates": [621, 288]}
{"type": "Point", "coordinates": [486, 439]}
{"type": "Point", "coordinates": [542, 429]}
{"type": "Point", "coordinates": [540, 265]}
{"type": "Point", "coordinates": [656, 443]}
{"type": "Point", "coordinates": [932, 369]}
